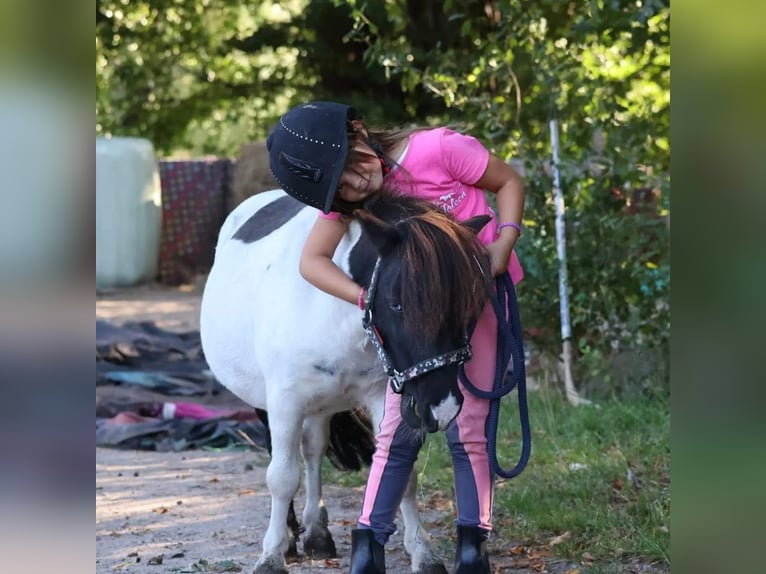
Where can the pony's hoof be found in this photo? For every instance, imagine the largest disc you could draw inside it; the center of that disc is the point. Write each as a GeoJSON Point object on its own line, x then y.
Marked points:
{"type": "Point", "coordinates": [291, 555]}
{"type": "Point", "coordinates": [271, 565]}
{"type": "Point", "coordinates": [433, 568]}
{"type": "Point", "coordinates": [319, 545]}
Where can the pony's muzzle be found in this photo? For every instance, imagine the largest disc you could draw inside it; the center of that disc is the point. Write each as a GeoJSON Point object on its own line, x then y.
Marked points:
{"type": "Point", "coordinates": [431, 419]}
{"type": "Point", "coordinates": [446, 411]}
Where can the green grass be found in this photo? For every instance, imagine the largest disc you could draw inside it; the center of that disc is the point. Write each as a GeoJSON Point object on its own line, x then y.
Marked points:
{"type": "Point", "coordinates": [608, 514]}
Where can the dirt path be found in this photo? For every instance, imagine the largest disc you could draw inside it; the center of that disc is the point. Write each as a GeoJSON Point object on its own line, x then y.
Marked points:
{"type": "Point", "coordinates": [200, 511]}
{"type": "Point", "coordinates": [201, 506]}
{"type": "Point", "coordinates": [172, 308]}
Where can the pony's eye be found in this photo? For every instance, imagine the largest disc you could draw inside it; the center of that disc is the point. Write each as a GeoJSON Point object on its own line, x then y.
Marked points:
{"type": "Point", "coordinates": [396, 307]}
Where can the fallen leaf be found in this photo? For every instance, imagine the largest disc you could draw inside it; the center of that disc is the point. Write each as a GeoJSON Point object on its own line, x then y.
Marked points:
{"type": "Point", "coordinates": [160, 510]}
{"type": "Point", "coordinates": [560, 538]}
{"type": "Point", "coordinates": [538, 552]}
{"type": "Point", "coordinates": [440, 502]}
{"type": "Point", "coordinates": [332, 563]}
{"type": "Point", "coordinates": [122, 565]}
{"type": "Point", "coordinates": [214, 479]}
{"type": "Point", "coordinates": [200, 565]}
{"type": "Point", "coordinates": [226, 566]}
{"type": "Point", "coordinates": [587, 558]}
{"type": "Point", "coordinates": [246, 492]}
{"type": "Point", "coordinates": [573, 571]}
{"type": "Point", "coordinates": [156, 559]}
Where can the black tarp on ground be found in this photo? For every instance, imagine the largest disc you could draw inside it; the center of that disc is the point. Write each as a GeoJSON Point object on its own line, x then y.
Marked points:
{"type": "Point", "coordinates": [154, 391]}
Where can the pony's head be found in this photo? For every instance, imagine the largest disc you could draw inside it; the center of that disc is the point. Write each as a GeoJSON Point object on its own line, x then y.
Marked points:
{"type": "Point", "coordinates": [431, 280]}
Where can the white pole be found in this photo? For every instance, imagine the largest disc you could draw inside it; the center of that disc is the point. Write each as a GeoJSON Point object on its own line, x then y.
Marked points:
{"type": "Point", "coordinates": [561, 249]}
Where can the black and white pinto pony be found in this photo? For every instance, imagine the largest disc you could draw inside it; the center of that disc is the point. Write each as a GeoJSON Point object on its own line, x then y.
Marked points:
{"type": "Point", "coordinates": [304, 357]}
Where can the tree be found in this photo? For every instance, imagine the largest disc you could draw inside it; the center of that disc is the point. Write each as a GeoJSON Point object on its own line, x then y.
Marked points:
{"type": "Point", "coordinates": [210, 75]}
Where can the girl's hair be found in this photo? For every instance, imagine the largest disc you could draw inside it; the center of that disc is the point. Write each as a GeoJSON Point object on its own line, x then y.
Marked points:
{"type": "Point", "coordinates": [385, 141]}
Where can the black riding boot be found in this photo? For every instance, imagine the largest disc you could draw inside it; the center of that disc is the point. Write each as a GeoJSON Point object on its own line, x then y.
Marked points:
{"type": "Point", "coordinates": [471, 555]}
{"type": "Point", "coordinates": [367, 555]}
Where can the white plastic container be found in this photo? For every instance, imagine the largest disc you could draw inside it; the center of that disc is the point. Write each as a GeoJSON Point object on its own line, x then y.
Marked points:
{"type": "Point", "coordinates": [128, 212]}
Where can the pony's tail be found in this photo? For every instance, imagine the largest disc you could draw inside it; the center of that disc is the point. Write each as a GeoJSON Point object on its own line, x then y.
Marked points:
{"type": "Point", "coordinates": [351, 444]}
{"type": "Point", "coordinates": [352, 441]}
{"type": "Point", "coordinates": [264, 416]}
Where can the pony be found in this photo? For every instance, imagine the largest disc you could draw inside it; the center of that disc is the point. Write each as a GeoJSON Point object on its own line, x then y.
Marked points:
{"type": "Point", "coordinates": [305, 357]}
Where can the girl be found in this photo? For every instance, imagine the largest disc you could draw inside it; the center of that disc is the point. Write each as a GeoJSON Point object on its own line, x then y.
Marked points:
{"type": "Point", "coordinates": [324, 156]}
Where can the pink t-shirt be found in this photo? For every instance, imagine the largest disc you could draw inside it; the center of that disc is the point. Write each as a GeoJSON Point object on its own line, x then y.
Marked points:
{"type": "Point", "coordinates": [443, 166]}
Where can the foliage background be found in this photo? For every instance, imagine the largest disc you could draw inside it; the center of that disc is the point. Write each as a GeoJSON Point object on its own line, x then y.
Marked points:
{"type": "Point", "coordinates": [205, 77]}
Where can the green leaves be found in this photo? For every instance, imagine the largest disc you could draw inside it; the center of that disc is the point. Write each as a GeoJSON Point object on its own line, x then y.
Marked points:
{"type": "Point", "coordinates": [165, 66]}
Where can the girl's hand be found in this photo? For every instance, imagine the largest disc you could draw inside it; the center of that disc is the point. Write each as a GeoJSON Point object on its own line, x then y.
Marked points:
{"type": "Point", "coordinates": [499, 254]}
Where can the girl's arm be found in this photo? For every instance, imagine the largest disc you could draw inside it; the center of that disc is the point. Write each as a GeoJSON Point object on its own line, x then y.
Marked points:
{"type": "Point", "coordinates": [317, 266]}
{"type": "Point", "coordinates": [502, 179]}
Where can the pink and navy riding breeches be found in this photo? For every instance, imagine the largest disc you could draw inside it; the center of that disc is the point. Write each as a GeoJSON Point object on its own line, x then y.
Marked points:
{"type": "Point", "coordinates": [397, 447]}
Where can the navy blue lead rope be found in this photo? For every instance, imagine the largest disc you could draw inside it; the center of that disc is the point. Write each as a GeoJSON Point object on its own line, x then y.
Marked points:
{"type": "Point", "coordinates": [509, 345]}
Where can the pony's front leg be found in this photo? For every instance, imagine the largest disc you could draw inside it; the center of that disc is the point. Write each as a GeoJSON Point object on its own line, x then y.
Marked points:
{"type": "Point", "coordinates": [417, 542]}
{"type": "Point", "coordinates": [283, 477]}
{"type": "Point", "coordinates": [317, 541]}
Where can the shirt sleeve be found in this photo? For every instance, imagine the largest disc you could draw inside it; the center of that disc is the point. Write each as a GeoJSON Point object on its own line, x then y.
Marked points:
{"type": "Point", "coordinates": [464, 156]}
{"type": "Point", "coordinates": [333, 215]}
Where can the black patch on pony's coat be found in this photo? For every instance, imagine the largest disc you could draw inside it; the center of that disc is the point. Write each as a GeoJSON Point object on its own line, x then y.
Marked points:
{"type": "Point", "coordinates": [325, 369]}
{"type": "Point", "coordinates": [361, 261]}
{"type": "Point", "coordinates": [268, 218]}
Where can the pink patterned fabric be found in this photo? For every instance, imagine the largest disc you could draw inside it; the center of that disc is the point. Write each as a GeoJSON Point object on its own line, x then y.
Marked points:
{"type": "Point", "coordinates": [193, 209]}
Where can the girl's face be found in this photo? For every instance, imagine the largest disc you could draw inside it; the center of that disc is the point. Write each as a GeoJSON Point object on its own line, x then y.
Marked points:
{"type": "Point", "coordinates": [362, 178]}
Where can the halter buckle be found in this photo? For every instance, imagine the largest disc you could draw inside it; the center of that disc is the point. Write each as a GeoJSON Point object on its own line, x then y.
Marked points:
{"type": "Point", "coordinates": [367, 318]}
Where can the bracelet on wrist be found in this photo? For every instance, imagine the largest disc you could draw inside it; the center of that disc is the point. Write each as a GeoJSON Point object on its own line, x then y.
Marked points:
{"type": "Point", "coordinates": [361, 298]}
{"type": "Point", "coordinates": [505, 224]}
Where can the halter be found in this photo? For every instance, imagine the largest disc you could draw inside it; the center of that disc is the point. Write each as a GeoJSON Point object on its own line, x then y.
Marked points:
{"type": "Point", "coordinates": [399, 378]}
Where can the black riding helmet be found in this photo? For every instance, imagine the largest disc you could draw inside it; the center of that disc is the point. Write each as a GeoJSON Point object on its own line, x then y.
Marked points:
{"type": "Point", "coordinates": [308, 150]}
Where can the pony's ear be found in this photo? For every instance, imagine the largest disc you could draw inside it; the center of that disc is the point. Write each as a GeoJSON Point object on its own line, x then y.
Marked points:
{"type": "Point", "coordinates": [477, 222]}
{"type": "Point", "coordinates": [384, 237]}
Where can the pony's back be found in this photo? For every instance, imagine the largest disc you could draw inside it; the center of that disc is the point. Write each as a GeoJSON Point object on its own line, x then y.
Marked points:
{"type": "Point", "coordinates": [262, 323]}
